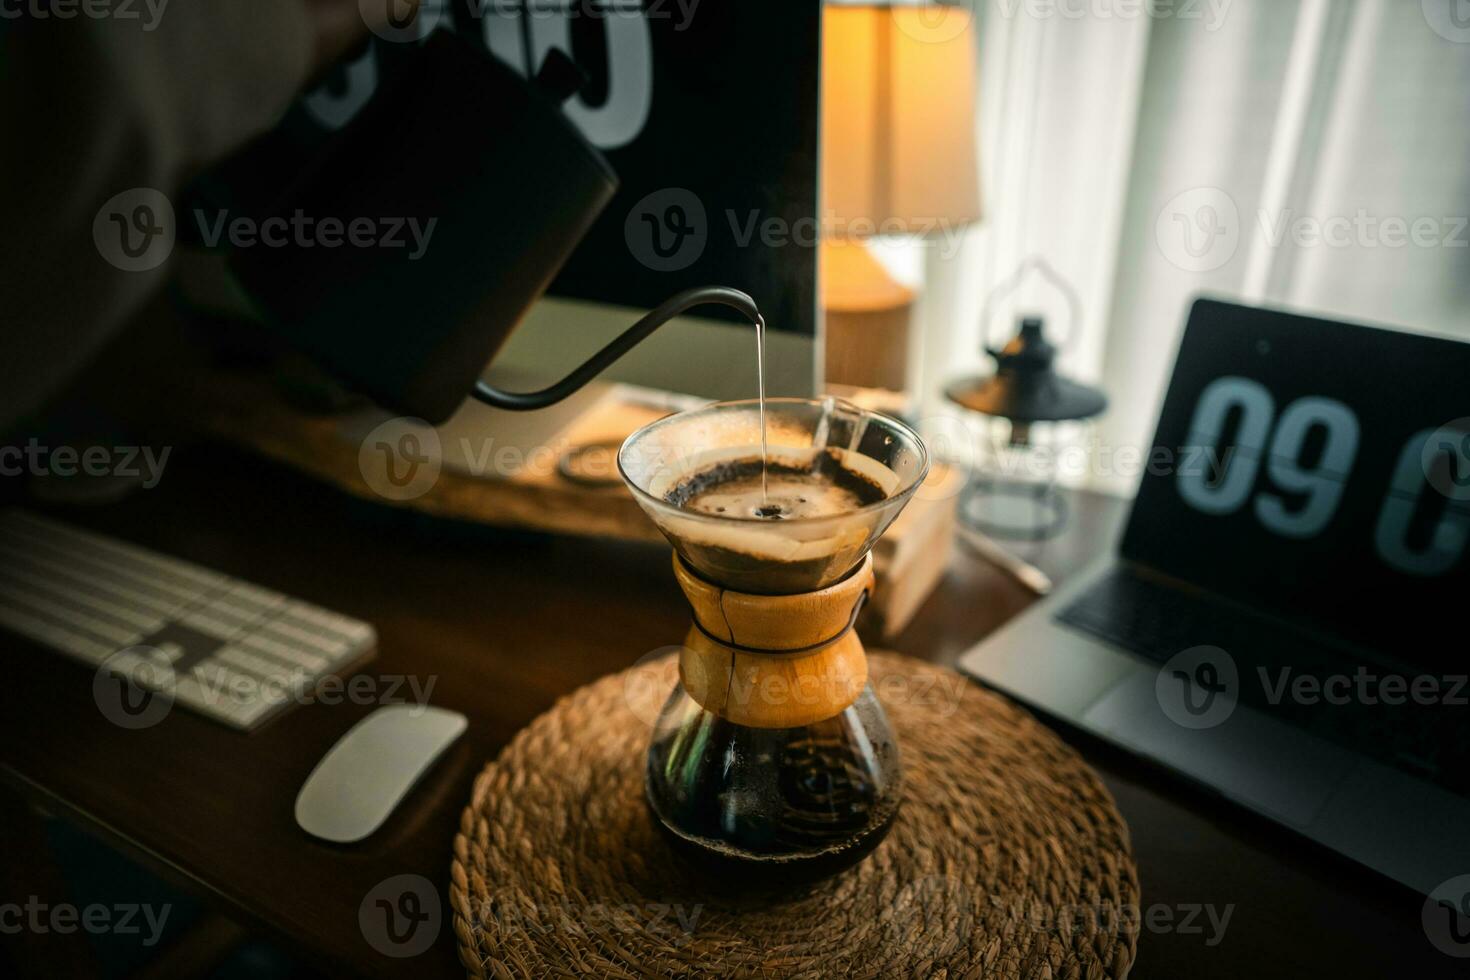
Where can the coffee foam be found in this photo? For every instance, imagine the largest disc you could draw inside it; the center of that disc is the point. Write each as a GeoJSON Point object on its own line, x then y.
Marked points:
{"type": "Point", "coordinates": [804, 537]}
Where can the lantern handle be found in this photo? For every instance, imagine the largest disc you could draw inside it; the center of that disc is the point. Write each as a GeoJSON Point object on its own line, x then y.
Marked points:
{"type": "Point", "coordinates": [1051, 275]}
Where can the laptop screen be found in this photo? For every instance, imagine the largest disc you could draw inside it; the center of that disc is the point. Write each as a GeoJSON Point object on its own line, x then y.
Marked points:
{"type": "Point", "coordinates": [1319, 469]}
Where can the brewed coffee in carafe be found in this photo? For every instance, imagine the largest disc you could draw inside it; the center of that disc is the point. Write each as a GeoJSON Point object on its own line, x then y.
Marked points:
{"type": "Point", "coordinates": [772, 760]}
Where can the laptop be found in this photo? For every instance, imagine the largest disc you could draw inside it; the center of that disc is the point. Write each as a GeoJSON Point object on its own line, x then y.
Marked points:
{"type": "Point", "coordinates": [1284, 620]}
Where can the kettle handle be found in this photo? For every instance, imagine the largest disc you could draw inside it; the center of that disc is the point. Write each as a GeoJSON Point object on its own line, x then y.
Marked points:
{"type": "Point", "coordinates": [624, 342]}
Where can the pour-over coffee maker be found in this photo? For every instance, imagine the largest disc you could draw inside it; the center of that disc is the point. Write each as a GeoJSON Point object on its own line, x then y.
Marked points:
{"type": "Point", "coordinates": [772, 761]}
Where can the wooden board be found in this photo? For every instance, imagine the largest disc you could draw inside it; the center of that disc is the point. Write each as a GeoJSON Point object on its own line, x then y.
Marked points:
{"type": "Point", "coordinates": [910, 559]}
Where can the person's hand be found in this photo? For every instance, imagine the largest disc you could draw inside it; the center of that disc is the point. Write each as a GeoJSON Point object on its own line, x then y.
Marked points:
{"type": "Point", "coordinates": [341, 24]}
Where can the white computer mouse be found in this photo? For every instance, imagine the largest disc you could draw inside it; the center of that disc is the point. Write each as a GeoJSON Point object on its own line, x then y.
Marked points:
{"type": "Point", "coordinates": [361, 779]}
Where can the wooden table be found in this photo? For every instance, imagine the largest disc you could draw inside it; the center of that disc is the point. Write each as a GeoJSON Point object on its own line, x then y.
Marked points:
{"type": "Point", "coordinates": [502, 624]}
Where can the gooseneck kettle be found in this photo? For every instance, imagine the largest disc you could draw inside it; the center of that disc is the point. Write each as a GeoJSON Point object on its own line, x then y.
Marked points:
{"type": "Point", "coordinates": [501, 188]}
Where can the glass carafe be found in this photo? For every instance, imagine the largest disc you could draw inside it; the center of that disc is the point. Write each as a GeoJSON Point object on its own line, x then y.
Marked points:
{"type": "Point", "coordinates": [793, 803]}
{"type": "Point", "coordinates": [772, 760]}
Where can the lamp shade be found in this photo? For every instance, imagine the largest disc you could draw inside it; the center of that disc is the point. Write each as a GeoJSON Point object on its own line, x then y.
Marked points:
{"type": "Point", "coordinates": [898, 119]}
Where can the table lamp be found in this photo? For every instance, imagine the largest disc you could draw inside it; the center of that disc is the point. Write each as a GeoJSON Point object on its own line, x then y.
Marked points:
{"type": "Point", "coordinates": [898, 157]}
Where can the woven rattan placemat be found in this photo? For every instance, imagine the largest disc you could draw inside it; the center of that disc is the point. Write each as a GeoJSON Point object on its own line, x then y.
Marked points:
{"type": "Point", "coordinates": [1008, 858]}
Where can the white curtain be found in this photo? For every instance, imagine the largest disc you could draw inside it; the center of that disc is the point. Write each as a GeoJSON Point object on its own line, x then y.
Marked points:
{"type": "Point", "coordinates": [1313, 154]}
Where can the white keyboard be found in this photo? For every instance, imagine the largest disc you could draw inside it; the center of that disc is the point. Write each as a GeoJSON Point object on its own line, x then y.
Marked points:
{"type": "Point", "coordinates": [233, 651]}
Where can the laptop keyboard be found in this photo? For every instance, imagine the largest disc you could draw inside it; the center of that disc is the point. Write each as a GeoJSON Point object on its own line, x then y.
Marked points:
{"type": "Point", "coordinates": [1156, 621]}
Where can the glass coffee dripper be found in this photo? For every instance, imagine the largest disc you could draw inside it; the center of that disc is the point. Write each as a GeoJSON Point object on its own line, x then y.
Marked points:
{"type": "Point", "coordinates": [772, 760]}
